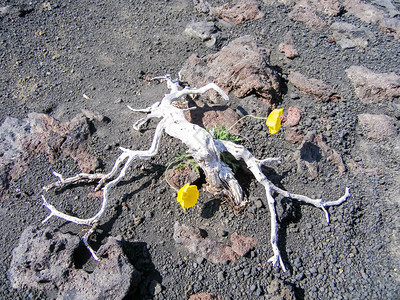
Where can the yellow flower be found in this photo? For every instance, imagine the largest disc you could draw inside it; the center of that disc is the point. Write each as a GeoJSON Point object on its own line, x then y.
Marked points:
{"type": "Point", "coordinates": [273, 121]}
{"type": "Point", "coordinates": [187, 196]}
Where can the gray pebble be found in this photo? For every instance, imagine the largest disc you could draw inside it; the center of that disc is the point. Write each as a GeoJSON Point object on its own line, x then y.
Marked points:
{"type": "Point", "coordinates": [299, 276]}
{"type": "Point", "coordinates": [221, 276]}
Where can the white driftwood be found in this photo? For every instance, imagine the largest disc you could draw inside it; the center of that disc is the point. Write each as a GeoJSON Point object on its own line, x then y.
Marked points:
{"type": "Point", "coordinates": [204, 149]}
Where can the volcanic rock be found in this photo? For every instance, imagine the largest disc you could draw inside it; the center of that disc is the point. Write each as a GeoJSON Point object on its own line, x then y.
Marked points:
{"type": "Point", "coordinates": [45, 258]}
{"type": "Point", "coordinates": [238, 11]}
{"type": "Point", "coordinates": [377, 127]}
{"type": "Point", "coordinates": [371, 87]}
{"type": "Point", "coordinates": [312, 86]}
{"type": "Point", "coordinates": [241, 67]}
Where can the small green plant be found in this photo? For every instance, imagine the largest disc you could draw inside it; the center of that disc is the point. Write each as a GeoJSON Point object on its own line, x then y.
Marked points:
{"type": "Point", "coordinates": [224, 134]}
{"type": "Point", "coordinates": [186, 160]}
{"type": "Point", "coordinates": [228, 158]}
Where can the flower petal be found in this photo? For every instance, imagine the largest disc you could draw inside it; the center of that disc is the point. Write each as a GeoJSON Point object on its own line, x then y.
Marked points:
{"type": "Point", "coordinates": [187, 196]}
{"type": "Point", "coordinates": [273, 121]}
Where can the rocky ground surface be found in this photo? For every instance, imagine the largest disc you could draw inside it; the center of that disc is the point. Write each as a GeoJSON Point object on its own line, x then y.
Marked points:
{"type": "Point", "coordinates": [68, 70]}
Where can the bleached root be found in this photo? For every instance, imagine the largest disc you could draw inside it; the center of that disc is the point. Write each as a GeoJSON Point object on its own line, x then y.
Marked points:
{"type": "Point", "coordinates": [254, 165]}
{"type": "Point", "coordinates": [123, 162]}
{"type": "Point", "coordinates": [170, 117]}
{"type": "Point", "coordinates": [204, 149]}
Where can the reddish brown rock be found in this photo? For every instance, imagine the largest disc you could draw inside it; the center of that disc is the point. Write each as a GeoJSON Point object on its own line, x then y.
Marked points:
{"type": "Point", "coordinates": [311, 86]}
{"type": "Point", "coordinates": [190, 237]}
{"type": "Point", "coordinates": [205, 296]}
{"type": "Point", "coordinates": [287, 46]}
{"type": "Point", "coordinates": [310, 153]}
{"type": "Point", "coordinates": [209, 116]}
{"type": "Point", "coordinates": [366, 12]}
{"type": "Point", "coordinates": [308, 17]}
{"type": "Point", "coordinates": [371, 87]}
{"type": "Point", "coordinates": [288, 50]}
{"type": "Point", "coordinates": [179, 177]}
{"type": "Point", "coordinates": [294, 135]}
{"type": "Point", "coordinates": [242, 244]}
{"type": "Point", "coordinates": [238, 11]}
{"type": "Point", "coordinates": [241, 67]}
{"type": "Point", "coordinates": [328, 7]}
{"type": "Point", "coordinates": [372, 14]}
{"type": "Point", "coordinates": [293, 117]}
{"type": "Point", "coordinates": [306, 11]}
{"type": "Point", "coordinates": [377, 127]}
{"type": "Point", "coordinates": [56, 138]}
{"type": "Point", "coordinates": [21, 140]}
{"type": "Point", "coordinates": [216, 252]}
{"type": "Point", "coordinates": [359, 169]}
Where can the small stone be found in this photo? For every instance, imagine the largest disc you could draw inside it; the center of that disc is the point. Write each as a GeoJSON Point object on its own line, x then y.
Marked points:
{"type": "Point", "coordinates": [137, 220]}
{"type": "Point", "coordinates": [287, 46]}
{"type": "Point", "coordinates": [242, 244]}
{"type": "Point", "coordinates": [155, 288]}
{"type": "Point", "coordinates": [197, 287]}
{"type": "Point", "coordinates": [377, 127]}
{"type": "Point", "coordinates": [200, 260]}
{"type": "Point", "coordinates": [238, 11]}
{"type": "Point", "coordinates": [366, 12]}
{"type": "Point", "coordinates": [311, 86]}
{"type": "Point", "coordinates": [259, 204]}
{"type": "Point", "coordinates": [297, 263]}
{"type": "Point", "coordinates": [205, 296]}
{"type": "Point", "coordinates": [308, 16]}
{"type": "Point", "coordinates": [299, 276]}
{"type": "Point", "coordinates": [293, 117]}
{"type": "Point", "coordinates": [349, 36]}
{"type": "Point", "coordinates": [273, 287]}
{"type": "Point", "coordinates": [221, 276]}
{"type": "Point", "coordinates": [202, 30]}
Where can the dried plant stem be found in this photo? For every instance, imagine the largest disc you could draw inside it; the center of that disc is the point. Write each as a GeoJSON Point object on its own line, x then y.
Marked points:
{"type": "Point", "coordinates": [204, 149]}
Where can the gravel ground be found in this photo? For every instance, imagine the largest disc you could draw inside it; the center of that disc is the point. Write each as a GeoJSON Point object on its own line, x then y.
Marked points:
{"type": "Point", "coordinates": [53, 52]}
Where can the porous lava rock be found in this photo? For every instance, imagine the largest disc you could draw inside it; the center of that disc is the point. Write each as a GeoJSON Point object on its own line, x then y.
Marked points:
{"type": "Point", "coordinates": [240, 67]}
{"type": "Point", "coordinates": [179, 177]}
{"type": "Point", "coordinates": [371, 87]}
{"type": "Point", "coordinates": [205, 296]}
{"type": "Point", "coordinates": [216, 252]}
{"type": "Point", "coordinates": [287, 46]}
{"type": "Point", "coordinates": [238, 11]}
{"type": "Point", "coordinates": [210, 116]}
{"type": "Point", "coordinates": [310, 153]}
{"type": "Point", "coordinates": [293, 117]}
{"type": "Point", "coordinates": [311, 86]}
{"type": "Point", "coordinates": [45, 258]}
{"type": "Point", "coordinates": [377, 127]}
{"type": "Point", "coordinates": [21, 140]}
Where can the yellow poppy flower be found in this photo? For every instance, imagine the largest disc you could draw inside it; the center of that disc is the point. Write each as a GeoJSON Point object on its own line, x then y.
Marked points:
{"type": "Point", "coordinates": [187, 196]}
{"type": "Point", "coordinates": [273, 121]}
